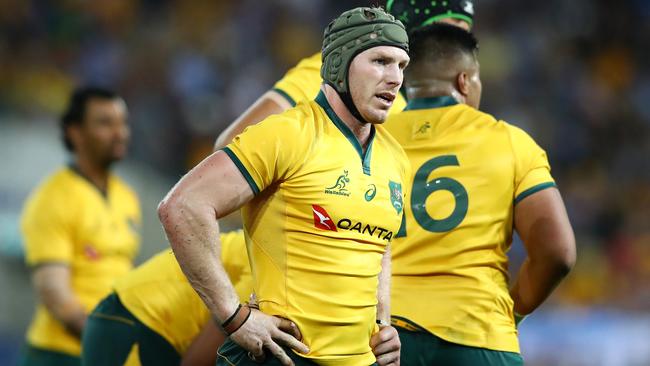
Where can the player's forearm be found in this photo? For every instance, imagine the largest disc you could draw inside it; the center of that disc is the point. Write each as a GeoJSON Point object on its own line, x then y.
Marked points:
{"type": "Point", "coordinates": [535, 282]}
{"type": "Point", "coordinates": [201, 350]}
{"type": "Point", "coordinates": [53, 287]}
{"type": "Point", "coordinates": [70, 313]}
{"type": "Point", "coordinates": [383, 290]}
{"type": "Point", "coordinates": [193, 234]}
{"type": "Point", "coordinates": [75, 321]}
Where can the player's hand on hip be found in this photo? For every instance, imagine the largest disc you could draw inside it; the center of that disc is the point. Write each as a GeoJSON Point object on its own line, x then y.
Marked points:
{"type": "Point", "coordinates": [386, 346]}
{"type": "Point", "coordinates": [264, 332]}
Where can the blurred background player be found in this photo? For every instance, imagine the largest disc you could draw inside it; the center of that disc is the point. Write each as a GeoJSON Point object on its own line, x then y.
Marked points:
{"type": "Point", "coordinates": [475, 178]}
{"type": "Point", "coordinates": [80, 227]}
{"type": "Point", "coordinates": [155, 309]}
{"type": "Point", "coordinates": [303, 81]}
{"type": "Point", "coordinates": [331, 282]}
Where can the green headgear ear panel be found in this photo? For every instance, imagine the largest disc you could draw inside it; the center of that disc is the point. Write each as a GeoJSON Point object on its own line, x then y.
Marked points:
{"type": "Point", "coordinates": [351, 33]}
{"type": "Point", "coordinates": [417, 13]}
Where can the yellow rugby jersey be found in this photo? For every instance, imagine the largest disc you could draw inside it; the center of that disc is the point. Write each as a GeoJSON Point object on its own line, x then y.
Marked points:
{"type": "Point", "coordinates": [450, 273]}
{"type": "Point", "coordinates": [303, 82]}
{"type": "Point", "coordinates": [68, 220]}
{"type": "Point", "coordinates": [319, 224]}
{"type": "Point", "coordinates": [159, 295]}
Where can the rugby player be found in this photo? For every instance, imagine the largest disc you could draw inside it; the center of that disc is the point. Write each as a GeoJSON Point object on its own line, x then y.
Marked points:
{"type": "Point", "coordinates": [154, 311]}
{"type": "Point", "coordinates": [475, 178]}
{"type": "Point", "coordinates": [321, 187]}
{"type": "Point", "coordinates": [80, 227]}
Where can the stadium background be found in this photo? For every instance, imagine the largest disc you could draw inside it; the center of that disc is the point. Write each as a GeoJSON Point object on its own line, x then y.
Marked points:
{"type": "Point", "coordinates": [574, 74]}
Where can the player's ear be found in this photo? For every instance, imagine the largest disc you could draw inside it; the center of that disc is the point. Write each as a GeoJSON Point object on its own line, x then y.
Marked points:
{"type": "Point", "coordinates": [74, 134]}
{"type": "Point", "coordinates": [462, 83]}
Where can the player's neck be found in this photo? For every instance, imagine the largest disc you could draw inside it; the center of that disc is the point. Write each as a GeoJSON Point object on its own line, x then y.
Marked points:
{"type": "Point", "coordinates": [96, 173]}
{"type": "Point", "coordinates": [361, 130]}
{"type": "Point", "coordinates": [434, 90]}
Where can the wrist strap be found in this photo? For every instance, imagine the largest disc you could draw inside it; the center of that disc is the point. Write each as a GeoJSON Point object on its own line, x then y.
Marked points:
{"type": "Point", "coordinates": [236, 320]}
{"type": "Point", "coordinates": [382, 323]}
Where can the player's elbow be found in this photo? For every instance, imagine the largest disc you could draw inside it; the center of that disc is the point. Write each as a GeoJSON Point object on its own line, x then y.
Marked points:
{"type": "Point", "coordinates": [564, 259]}
{"type": "Point", "coordinates": [169, 209]}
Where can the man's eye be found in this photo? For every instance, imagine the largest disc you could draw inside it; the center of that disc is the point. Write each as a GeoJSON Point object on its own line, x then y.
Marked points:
{"type": "Point", "coordinates": [380, 61]}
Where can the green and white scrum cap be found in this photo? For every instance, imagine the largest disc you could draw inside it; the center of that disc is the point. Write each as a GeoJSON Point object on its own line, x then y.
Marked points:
{"type": "Point", "coordinates": [418, 13]}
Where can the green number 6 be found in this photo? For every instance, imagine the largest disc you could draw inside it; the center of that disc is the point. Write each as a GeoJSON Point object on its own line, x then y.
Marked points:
{"type": "Point", "coordinates": [422, 189]}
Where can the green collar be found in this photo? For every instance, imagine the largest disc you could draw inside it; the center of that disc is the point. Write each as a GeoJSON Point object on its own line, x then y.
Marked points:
{"type": "Point", "coordinates": [345, 130]}
{"type": "Point", "coordinates": [429, 103]}
{"type": "Point", "coordinates": [75, 169]}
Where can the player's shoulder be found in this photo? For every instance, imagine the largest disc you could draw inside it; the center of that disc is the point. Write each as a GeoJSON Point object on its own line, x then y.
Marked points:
{"type": "Point", "coordinates": [52, 195]}
{"type": "Point", "coordinates": [58, 184]}
{"type": "Point", "coordinates": [520, 139]}
{"type": "Point", "coordinates": [383, 135]}
{"type": "Point", "coordinates": [470, 116]}
{"type": "Point", "coordinates": [292, 120]}
{"type": "Point", "coordinates": [390, 143]}
{"type": "Point", "coordinates": [516, 132]}
{"type": "Point", "coordinates": [312, 62]}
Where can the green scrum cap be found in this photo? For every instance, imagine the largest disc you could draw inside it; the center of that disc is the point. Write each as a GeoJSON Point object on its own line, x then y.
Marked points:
{"type": "Point", "coordinates": [351, 33]}
{"type": "Point", "coordinates": [418, 13]}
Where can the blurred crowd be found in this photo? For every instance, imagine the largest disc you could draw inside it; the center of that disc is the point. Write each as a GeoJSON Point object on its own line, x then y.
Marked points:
{"type": "Point", "coordinates": [574, 74]}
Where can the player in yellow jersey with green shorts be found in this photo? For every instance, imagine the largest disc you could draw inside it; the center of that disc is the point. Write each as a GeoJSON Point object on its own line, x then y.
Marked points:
{"type": "Point", "coordinates": [475, 178]}
{"type": "Point", "coordinates": [155, 308]}
{"type": "Point", "coordinates": [80, 228]}
{"type": "Point", "coordinates": [322, 190]}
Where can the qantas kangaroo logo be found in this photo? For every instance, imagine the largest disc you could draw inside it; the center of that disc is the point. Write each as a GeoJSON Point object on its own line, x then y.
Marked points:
{"type": "Point", "coordinates": [322, 219]}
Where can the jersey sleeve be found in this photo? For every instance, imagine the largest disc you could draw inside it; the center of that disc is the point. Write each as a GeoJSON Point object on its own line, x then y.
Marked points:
{"type": "Point", "coordinates": [532, 170]}
{"type": "Point", "coordinates": [46, 231]}
{"type": "Point", "coordinates": [271, 150]}
{"type": "Point", "coordinates": [302, 82]}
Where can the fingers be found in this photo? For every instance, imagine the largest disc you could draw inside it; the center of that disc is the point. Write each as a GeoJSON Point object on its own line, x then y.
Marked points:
{"type": "Point", "coordinates": [290, 327]}
{"type": "Point", "coordinates": [289, 341]}
{"type": "Point", "coordinates": [388, 359]}
{"type": "Point", "coordinates": [279, 353]}
{"type": "Point", "coordinates": [384, 335]}
{"type": "Point", "coordinates": [386, 346]}
{"type": "Point", "coordinates": [259, 358]}
{"type": "Point", "coordinates": [257, 353]}
{"type": "Point", "coordinates": [390, 345]}
{"type": "Point", "coordinates": [289, 335]}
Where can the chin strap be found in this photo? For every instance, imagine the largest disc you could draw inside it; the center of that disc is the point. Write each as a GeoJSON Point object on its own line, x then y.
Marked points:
{"type": "Point", "coordinates": [347, 100]}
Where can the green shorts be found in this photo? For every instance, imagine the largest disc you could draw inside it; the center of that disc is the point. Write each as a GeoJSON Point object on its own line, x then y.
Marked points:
{"type": "Point", "coordinates": [34, 356]}
{"type": "Point", "coordinates": [231, 354]}
{"type": "Point", "coordinates": [111, 332]}
{"type": "Point", "coordinates": [421, 348]}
